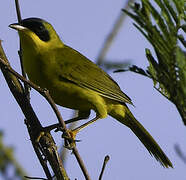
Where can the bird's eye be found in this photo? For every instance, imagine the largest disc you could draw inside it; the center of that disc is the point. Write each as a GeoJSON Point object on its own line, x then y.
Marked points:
{"type": "Point", "coordinates": [41, 27]}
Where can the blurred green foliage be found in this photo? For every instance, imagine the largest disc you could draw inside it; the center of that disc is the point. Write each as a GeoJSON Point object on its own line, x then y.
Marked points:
{"type": "Point", "coordinates": [9, 167]}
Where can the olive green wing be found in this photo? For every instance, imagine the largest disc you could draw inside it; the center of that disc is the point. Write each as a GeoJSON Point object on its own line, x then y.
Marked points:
{"type": "Point", "coordinates": [78, 69]}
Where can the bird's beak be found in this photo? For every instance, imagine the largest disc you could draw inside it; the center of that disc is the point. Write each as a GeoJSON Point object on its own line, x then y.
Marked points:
{"type": "Point", "coordinates": [17, 27]}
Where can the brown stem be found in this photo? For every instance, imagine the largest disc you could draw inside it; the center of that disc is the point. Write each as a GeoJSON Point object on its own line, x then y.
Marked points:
{"type": "Point", "coordinates": [18, 10]}
{"type": "Point", "coordinates": [45, 148]}
{"type": "Point", "coordinates": [46, 94]}
{"type": "Point", "coordinates": [26, 87]}
{"type": "Point", "coordinates": [106, 159]}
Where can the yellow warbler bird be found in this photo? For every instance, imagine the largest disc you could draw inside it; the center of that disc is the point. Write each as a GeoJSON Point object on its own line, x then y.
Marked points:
{"type": "Point", "coordinates": [75, 82]}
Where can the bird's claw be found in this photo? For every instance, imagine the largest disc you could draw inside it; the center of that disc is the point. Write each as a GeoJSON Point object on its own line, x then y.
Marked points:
{"type": "Point", "coordinates": [39, 136]}
{"type": "Point", "coordinates": [70, 139]}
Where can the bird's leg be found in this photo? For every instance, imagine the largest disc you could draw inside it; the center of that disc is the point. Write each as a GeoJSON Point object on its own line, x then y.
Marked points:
{"type": "Point", "coordinates": [81, 115]}
{"type": "Point", "coordinates": [74, 132]}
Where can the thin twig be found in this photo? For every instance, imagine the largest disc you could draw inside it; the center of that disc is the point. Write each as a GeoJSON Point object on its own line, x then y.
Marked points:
{"type": "Point", "coordinates": [180, 153]}
{"type": "Point", "coordinates": [38, 151]}
{"type": "Point", "coordinates": [81, 163]}
{"type": "Point", "coordinates": [65, 131]}
{"type": "Point", "coordinates": [38, 178]}
{"type": "Point", "coordinates": [26, 87]}
{"type": "Point", "coordinates": [111, 36]}
{"type": "Point", "coordinates": [18, 10]}
{"type": "Point", "coordinates": [63, 151]}
{"type": "Point", "coordinates": [107, 158]}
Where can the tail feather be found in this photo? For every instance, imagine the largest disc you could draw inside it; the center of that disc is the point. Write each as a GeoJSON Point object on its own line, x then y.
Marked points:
{"type": "Point", "coordinates": [147, 140]}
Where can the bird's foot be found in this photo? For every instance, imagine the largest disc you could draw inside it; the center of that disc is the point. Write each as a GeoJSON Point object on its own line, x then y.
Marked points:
{"type": "Point", "coordinates": [70, 138]}
{"type": "Point", "coordinates": [69, 135]}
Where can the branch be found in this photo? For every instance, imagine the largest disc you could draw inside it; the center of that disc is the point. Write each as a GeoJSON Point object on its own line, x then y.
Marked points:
{"type": "Point", "coordinates": [26, 87]}
{"type": "Point", "coordinates": [45, 148]}
{"type": "Point", "coordinates": [106, 159]}
{"type": "Point", "coordinates": [46, 94]}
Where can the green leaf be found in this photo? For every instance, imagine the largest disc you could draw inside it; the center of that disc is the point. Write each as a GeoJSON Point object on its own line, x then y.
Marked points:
{"type": "Point", "coordinates": [160, 24]}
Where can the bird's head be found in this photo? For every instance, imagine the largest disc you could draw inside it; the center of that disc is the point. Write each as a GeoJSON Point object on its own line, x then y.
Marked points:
{"type": "Point", "coordinates": [37, 32]}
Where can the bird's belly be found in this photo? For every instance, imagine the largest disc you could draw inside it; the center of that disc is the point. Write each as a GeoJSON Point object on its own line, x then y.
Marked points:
{"type": "Point", "coordinates": [71, 96]}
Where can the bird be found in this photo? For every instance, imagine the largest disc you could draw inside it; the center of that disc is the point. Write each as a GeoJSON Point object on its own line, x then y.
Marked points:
{"type": "Point", "coordinates": [76, 82]}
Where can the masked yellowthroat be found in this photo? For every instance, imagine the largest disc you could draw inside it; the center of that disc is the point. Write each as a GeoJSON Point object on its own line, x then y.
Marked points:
{"type": "Point", "coordinates": [75, 82]}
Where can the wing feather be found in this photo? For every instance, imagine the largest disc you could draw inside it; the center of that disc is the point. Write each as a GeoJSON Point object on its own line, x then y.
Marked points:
{"type": "Point", "coordinates": [78, 69]}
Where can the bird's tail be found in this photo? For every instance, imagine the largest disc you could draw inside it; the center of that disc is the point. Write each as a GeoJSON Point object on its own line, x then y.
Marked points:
{"type": "Point", "coordinates": [144, 136]}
